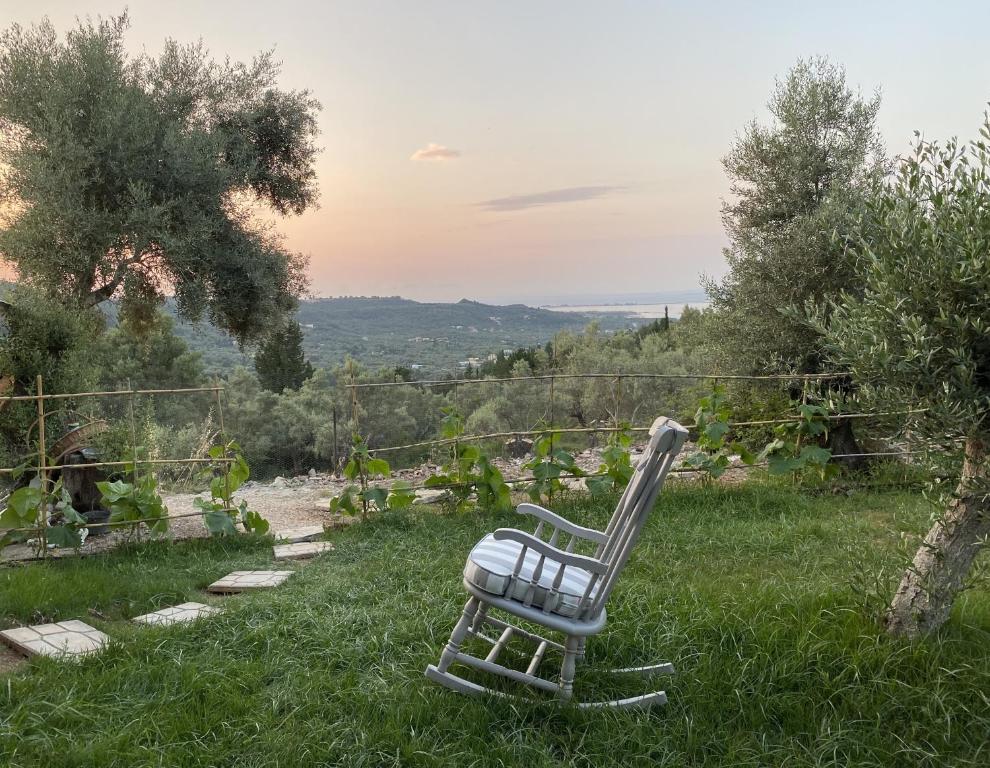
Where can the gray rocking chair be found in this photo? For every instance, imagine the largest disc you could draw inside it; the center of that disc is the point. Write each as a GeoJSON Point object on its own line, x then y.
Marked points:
{"type": "Point", "coordinates": [549, 584]}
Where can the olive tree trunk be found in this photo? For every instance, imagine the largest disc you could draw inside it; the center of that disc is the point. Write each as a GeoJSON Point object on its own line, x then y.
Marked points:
{"type": "Point", "coordinates": [843, 445]}
{"type": "Point", "coordinates": [928, 588]}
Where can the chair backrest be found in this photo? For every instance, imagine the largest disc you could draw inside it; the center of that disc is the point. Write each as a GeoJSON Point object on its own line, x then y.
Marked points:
{"type": "Point", "coordinates": [666, 440]}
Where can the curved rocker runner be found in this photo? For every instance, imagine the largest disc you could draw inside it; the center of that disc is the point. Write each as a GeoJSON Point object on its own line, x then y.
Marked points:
{"type": "Point", "coordinates": [549, 583]}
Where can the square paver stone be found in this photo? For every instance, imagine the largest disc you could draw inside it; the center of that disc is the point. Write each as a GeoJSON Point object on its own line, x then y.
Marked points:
{"type": "Point", "coordinates": [66, 638]}
{"type": "Point", "coordinates": [295, 535]}
{"type": "Point", "coordinates": [301, 550]}
{"type": "Point", "coordinates": [177, 614]}
{"type": "Point", "coordinates": [241, 581]}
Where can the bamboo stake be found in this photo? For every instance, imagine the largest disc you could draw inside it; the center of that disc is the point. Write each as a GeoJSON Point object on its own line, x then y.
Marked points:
{"type": "Point", "coordinates": [522, 432]}
{"type": "Point", "coordinates": [108, 393]}
{"type": "Point", "coordinates": [618, 400]}
{"type": "Point", "coordinates": [354, 399]}
{"type": "Point", "coordinates": [53, 467]}
{"type": "Point", "coordinates": [223, 441]}
{"type": "Point", "coordinates": [43, 472]}
{"type": "Point", "coordinates": [551, 414]}
{"type": "Point", "coordinates": [136, 530]}
{"type": "Point", "coordinates": [457, 414]}
{"type": "Point", "coordinates": [673, 376]}
{"type": "Point", "coordinates": [134, 450]}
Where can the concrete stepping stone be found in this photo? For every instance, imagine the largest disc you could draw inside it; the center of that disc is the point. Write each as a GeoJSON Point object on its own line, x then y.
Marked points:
{"type": "Point", "coordinates": [301, 550]}
{"type": "Point", "coordinates": [243, 581]}
{"type": "Point", "coordinates": [64, 639]}
{"type": "Point", "coordinates": [177, 614]}
{"type": "Point", "coordinates": [296, 535]}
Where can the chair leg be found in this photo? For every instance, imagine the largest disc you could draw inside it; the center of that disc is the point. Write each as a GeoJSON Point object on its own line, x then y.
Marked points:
{"type": "Point", "coordinates": [580, 648]}
{"type": "Point", "coordinates": [567, 668]}
{"type": "Point", "coordinates": [453, 646]}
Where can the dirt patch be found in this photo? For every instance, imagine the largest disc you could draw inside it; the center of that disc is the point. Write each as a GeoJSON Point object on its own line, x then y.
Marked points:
{"type": "Point", "coordinates": [10, 660]}
{"type": "Point", "coordinates": [290, 504]}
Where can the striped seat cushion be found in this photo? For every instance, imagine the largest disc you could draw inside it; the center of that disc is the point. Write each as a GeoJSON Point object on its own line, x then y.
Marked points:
{"type": "Point", "coordinates": [490, 565]}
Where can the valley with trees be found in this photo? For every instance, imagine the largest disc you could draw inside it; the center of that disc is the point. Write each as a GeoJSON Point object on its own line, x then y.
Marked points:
{"type": "Point", "coordinates": [828, 521]}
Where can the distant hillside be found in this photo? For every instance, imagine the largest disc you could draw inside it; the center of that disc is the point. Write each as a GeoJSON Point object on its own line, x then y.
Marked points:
{"type": "Point", "coordinates": [391, 331]}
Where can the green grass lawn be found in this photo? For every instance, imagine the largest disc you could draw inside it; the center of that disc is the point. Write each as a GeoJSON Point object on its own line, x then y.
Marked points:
{"type": "Point", "coordinates": [764, 599]}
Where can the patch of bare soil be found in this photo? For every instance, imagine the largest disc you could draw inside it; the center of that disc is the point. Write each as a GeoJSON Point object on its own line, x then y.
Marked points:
{"type": "Point", "coordinates": [10, 660]}
{"type": "Point", "coordinates": [287, 504]}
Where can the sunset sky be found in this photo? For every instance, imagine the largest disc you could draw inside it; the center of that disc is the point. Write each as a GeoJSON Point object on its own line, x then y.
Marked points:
{"type": "Point", "coordinates": [509, 151]}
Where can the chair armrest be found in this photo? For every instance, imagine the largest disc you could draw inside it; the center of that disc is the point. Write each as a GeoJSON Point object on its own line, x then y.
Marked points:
{"type": "Point", "coordinates": [589, 534]}
{"type": "Point", "coordinates": [557, 555]}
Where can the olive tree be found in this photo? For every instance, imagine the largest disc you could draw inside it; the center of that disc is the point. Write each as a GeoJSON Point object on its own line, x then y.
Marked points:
{"type": "Point", "coordinates": [795, 183]}
{"type": "Point", "coordinates": [132, 177]}
{"type": "Point", "coordinates": [918, 332]}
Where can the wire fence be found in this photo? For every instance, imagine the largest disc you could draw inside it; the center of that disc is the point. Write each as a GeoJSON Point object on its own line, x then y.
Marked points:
{"type": "Point", "coordinates": [77, 437]}
{"type": "Point", "coordinates": [622, 400]}
{"type": "Point", "coordinates": [615, 422]}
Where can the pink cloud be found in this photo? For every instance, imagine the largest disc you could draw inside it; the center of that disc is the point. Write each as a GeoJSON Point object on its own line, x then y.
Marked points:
{"type": "Point", "coordinates": [435, 152]}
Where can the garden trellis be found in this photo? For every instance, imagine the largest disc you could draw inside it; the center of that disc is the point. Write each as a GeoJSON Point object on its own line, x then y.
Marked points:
{"type": "Point", "coordinates": [617, 380]}
{"type": "Point", "coordinates": [44, 468]}
{"type": "Point", "coordinates": [621, 391]}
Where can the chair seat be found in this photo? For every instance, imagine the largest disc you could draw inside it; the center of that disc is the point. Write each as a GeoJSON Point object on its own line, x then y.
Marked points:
{"type": "Point", "coordinates": [491, 563]}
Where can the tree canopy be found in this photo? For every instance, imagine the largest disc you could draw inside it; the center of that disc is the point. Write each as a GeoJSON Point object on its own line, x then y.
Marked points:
{"type": "Point", "coordinates": [797, 187]}
{"type": "Point", "coordinates": [918, 334]}
{"type": "Point", "coordinates": [131, 177]}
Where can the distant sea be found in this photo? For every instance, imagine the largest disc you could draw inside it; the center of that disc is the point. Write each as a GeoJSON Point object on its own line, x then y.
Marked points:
{"type": "Point", "coordinates": [642, 306]}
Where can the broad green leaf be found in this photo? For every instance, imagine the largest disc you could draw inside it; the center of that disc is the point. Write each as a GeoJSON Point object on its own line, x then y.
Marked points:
{"type": "Point", "coordinates": [745, 455]}
{"type": "Point", "coordinates": [378, 467]}
{"type": "Point", "coordinates": [782, 465]}
{"type": "Point", "coordinates": [64, 536]}
{"type": "Point", "coordinates": [376, 496]}
{"type": "Point", "coordinates": [715, 432]}
{"type": "Point", "coordinates": [219, 523]}
{"type": "Point", "coordinates": [599, 485]}
{"type": "Point", "coordinates": [400, 495]}
{"type": "Point", "coordinates": [816, 454]}
{"type": "Point", "coordinates": [115, 491]}
{"type": "Point", "coordinates": [351, 470]}
{"type": "Point", "coordinates": [252, 521]}
{"type": "Point", "coordinates": [22, 508]}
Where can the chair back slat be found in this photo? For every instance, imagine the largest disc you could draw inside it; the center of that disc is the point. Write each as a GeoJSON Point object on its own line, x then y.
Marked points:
{"type": "Point", "coordinates": [666, 440]}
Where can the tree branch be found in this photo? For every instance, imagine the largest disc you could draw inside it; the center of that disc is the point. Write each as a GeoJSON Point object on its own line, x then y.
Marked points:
{"type": "Point", "coordinates": [107, 290]}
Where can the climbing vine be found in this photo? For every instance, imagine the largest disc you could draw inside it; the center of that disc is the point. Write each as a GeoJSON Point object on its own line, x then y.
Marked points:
{"type": "Point", "coordinates": [20, 520]}
{"type": "Point", "coordinates": [362, 497]}
{"type": "Point", "coordinates": [222, 510]}
{"type": "Point", "coordinates": [468, 473]}
{"type": "Point", "coordinates": [792, 452]}
{"type": "Point", "coordinates": [616, 468]}
{"type": "Point", "coordinates": [548, 465]}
